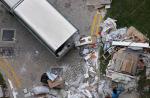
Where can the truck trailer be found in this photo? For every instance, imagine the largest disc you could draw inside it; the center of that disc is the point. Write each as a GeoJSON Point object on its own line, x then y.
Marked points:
{"type": "Point", "coordinates": [45, 23]}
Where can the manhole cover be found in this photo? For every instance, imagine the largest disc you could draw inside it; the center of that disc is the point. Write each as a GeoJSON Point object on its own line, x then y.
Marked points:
{"type": "Point", "coordinates": [8, 35]}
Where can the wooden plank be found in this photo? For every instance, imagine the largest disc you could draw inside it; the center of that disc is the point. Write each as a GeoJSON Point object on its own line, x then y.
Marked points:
{"type": "Point", "coordinates": [130, 62]}
{"type": "Point", "coordinates": [119, 61]}
{"type": "Point", "coordinates": [124, 63]}
{"type": "Point", "coordinates": [132, 44]}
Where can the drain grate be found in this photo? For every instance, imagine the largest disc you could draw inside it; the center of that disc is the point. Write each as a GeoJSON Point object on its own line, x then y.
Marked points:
{"type": "Point", "coordinates": [6, 51]}
{"type": "Point", "coordinates": [8, 35]}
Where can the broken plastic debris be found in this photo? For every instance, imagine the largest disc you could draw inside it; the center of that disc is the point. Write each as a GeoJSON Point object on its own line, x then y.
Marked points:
{"type": "Point", "coordinates": [108, 24]}
{"type": "Point", "coordinates": [87, 93]}
{"type": "Point", "coordinates": [85, 51]}
{"type": "Point", "coordinates": [51, 76]}
{"type": "Point", "coordinates": [84, 41]}
{"type": "Point", "coordinates": [118, 34]}
{"type": "Point", "coordinates": [40, 90]}
{"type": "Point", "coordinates": [25, 90]}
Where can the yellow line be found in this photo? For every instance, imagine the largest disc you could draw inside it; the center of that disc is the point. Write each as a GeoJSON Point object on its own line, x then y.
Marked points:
{"type": "Point", "coordinates": [96, 24]}
{"type": "Point", "coordinates": [3, 68]}
{"type": "Point", "coordinates": [10, 72]}
{"type": "Point", "coordinates": [14, 75]}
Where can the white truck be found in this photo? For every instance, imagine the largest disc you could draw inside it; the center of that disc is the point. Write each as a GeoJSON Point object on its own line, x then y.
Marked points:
{"type": "Point", "coordinates": [45, 23]}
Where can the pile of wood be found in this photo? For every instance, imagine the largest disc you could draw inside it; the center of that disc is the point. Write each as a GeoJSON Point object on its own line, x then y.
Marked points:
{"type": "Point", "coordinates": [125, 61]}
{"type": "Point", "coordinates": [127, 58]}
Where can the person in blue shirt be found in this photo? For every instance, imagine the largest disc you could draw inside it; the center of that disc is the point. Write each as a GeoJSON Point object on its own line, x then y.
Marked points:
{"type": "Point", "coordinates": [116, 92]}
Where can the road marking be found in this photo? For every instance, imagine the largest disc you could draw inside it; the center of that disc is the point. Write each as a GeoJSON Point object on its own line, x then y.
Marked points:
{"type": "Point", "coordinates": [96, 24]}
{"type": "Point", "coordinates": [10, 72]}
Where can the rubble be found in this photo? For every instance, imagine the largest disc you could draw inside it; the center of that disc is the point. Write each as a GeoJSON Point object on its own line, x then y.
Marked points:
{"type": "Point", "coordinates": [128, 48]}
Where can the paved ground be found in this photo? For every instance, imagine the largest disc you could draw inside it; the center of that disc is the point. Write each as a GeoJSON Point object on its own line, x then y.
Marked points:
{"type": "Point", "coordinates": [27, 66]}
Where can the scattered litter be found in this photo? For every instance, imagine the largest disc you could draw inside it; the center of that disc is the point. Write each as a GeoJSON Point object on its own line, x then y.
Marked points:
{"type": "Point", "coordinates": [117, 35]}
{"type": "Point", "coordinates": [109, 24]}
{"type": "Point", "coordinates": [86, 75]}
{"type": "Point", "coordinates": [40, 90]}
{"type": "Point", "coordinates": [85, 51]}
{"type": "Point", "coordinates": [86, 93]}
{"type": "Point", "coordinates": [127, 48]}
{"type": "Point", "coordinates": [84, 41]}
{"type": "Point", "coordinates": [29, 94]}
{"type": "Point", "coordinates": [25, 91]}
{"type": "Point", "coordinates": [87, 57]}
{"type": "Point", "coordinates": [51, 76]}
{"type": "Point", "coordinates": [120, 78]}
{"type": "Point", "coordinates": [104, 88]}
{"type": "Point", "coordinates": [107, 6]}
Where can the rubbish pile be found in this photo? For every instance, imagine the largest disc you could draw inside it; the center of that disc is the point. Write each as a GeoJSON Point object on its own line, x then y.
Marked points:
{"type": "Point", "coordinates": [87, 84]}
{"type": "Point", "coordinates": [129, 52]}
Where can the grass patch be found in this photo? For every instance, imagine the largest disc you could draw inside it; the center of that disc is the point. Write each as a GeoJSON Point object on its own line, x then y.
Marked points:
{"type": "Point", "coordinates": [4, 86]}
{"type": "Point", "coordinates": [131, 13]}
{"type": "Point", "coordinates": [2, 81]}
{"type": "Point", "coordinates": [142, 83]}
{"type": "Point", "coordinates": [103, 62]}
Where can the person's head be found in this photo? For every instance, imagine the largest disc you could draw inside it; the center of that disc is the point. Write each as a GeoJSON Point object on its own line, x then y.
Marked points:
{"type": "Point", "coordinates": [115, 90]}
